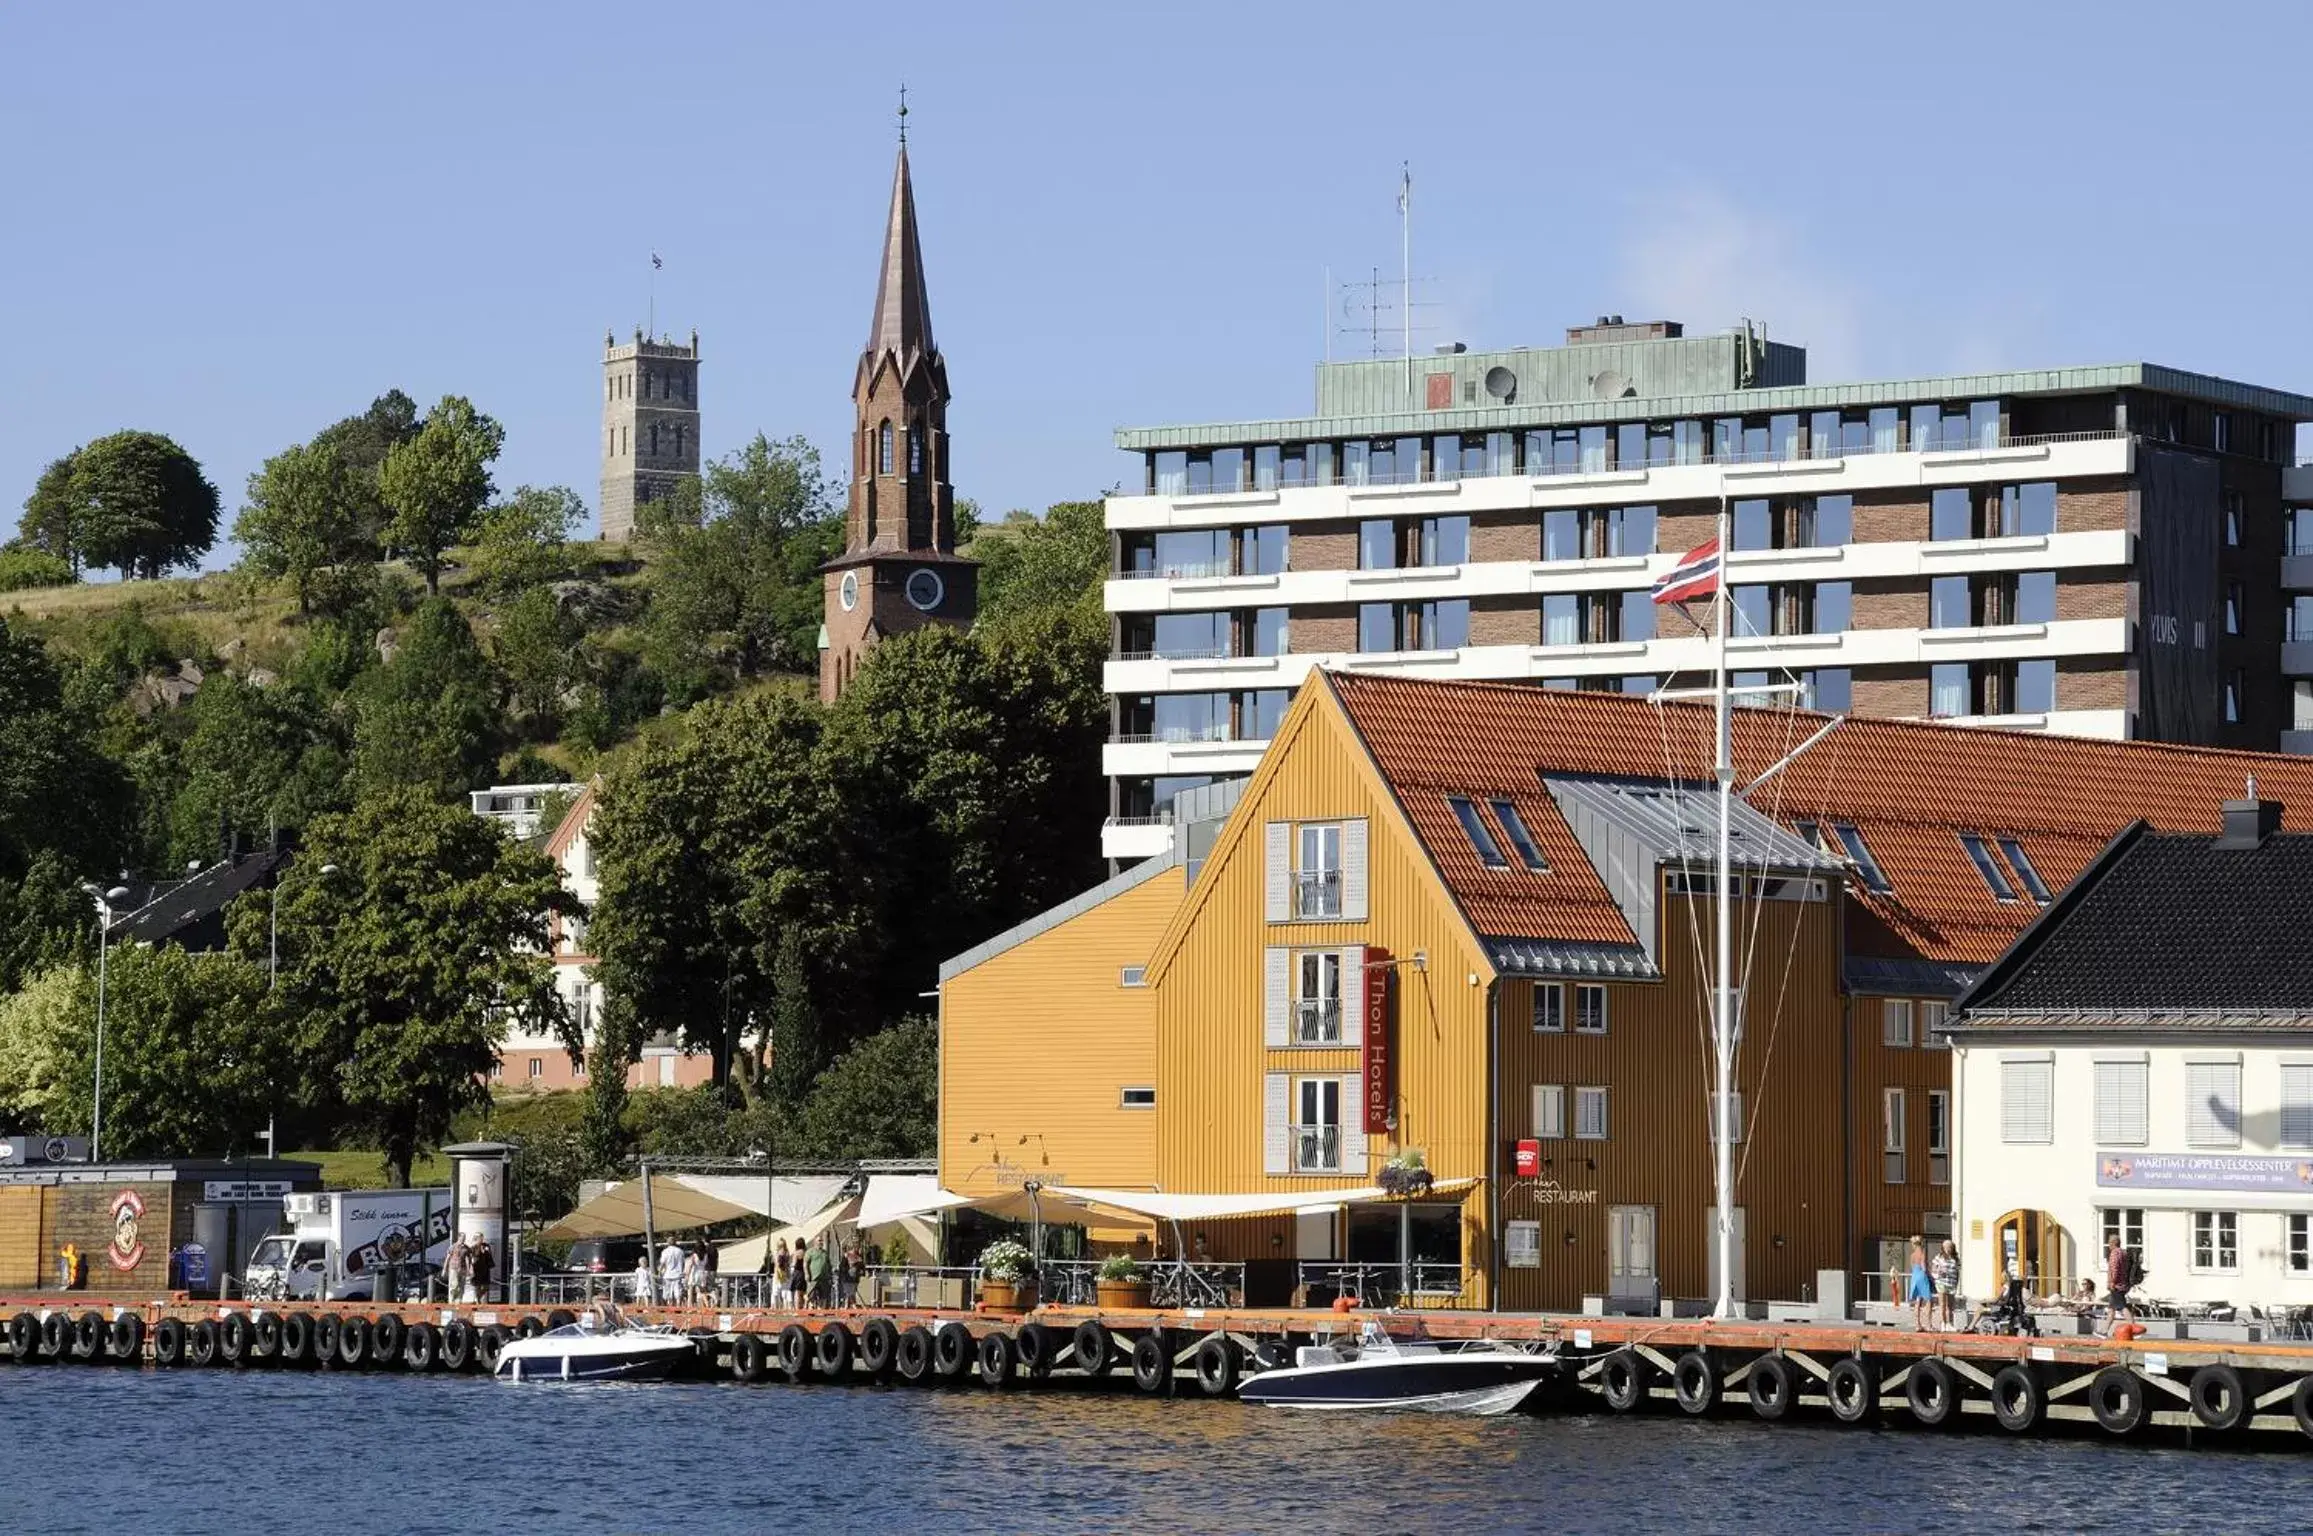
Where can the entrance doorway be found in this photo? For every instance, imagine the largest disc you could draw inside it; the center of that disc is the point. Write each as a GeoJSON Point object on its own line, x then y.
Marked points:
{"type": "Point", "coordinates": [1630, 1257]}
{"type": "Point", "coordinates": [1711, 1254]}
{"type": "Point", "coordinates": [2033, 1241]}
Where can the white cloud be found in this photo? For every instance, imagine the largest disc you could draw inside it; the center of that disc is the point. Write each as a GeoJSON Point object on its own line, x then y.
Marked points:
{"type": "Point", "coordinates": [1698, 257]}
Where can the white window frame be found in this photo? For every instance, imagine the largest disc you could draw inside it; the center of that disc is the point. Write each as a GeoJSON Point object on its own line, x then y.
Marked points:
{"type": "Point", "coordinates": [1585, 1097]}
{"type": "Point", "coordinates": [2296, 1123]}
{"type": "Point", "coordinates": [2216, 1243]}
{"type": "Point", "coordinates": [1585, 993]}
{"type": "Point", "coordinates": [1892, 1135]}
{"type": "Point", "coordinates": [1547, 1108]}
{"type": "Point", "coordinates": [2196, 1087]}
{"type": "Point", "coordinates": [1549, 1008]}
{"type": "Point", "coordinates": [1302, 1128]}
{"type": "Point", "coordinates": [1939, 1147]}
{"type": "Point", "coordinates": [1895, 1015]}
{"type": "Point", "coordinates": [2125, 1222]}
{"type": "Point", "coordinates": [1522, 1245]}
{"type": "Point", "coordinates": [1312, 841]}
{"type": "Point", "coordinates": [1931, 1014]}
{"type": "Point", "coordinates": [2013, 1133]}
{"type": "Point", "coordinates": [2121, 1086]}
{"type": "Point", "coordinates": [1327, 961]}
{"type": "Point", "coordinates": [1132, 976]}
{"type": "Point", "coordinates": [1125, 1099]}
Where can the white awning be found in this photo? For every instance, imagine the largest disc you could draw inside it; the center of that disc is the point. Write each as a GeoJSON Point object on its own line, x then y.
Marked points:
{"type": "Point", "coordinates": [789, 1197]}
{"type": "Point", "coordinates": [891, 1197]}
{"type": "Point", "coordinates": [746, 1255]}
{"type": "Point", "coordinates": [1166, 1206]}
{"type": "Point", "coordinates": [618, 1210]}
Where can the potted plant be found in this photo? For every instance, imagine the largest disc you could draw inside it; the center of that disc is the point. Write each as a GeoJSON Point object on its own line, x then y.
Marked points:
{"type": "Point", "coordinates": [1407, 1174]}
{"type": "Point", "coordinates": [1120, 1282]}
{"type": "Point", "coordinates": [1007, 1277]}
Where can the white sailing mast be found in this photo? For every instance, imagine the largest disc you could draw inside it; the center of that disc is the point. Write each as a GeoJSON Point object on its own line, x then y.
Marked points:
{"type": "Point", "coordinates": [1723, 1008]}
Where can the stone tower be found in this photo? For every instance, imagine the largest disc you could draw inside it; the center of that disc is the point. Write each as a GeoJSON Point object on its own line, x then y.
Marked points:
{"type": "Point", "coordinates": [899, 569]}
{"type": "Point", "coordinates": [650, 425]}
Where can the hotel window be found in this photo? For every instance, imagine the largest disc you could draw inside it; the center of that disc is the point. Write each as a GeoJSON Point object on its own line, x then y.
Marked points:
{"type": "Point", "coordinates": [1261, 550]}
{"type": "Point", "coordinates": [1825, 522]}
{"type": "Point", "coordinates": [1752, 524]}
{"type": "Point", "coordinates": [2221, 431]}
{"type": "Point", "coordinates": [2123, 1103]}
{"type": "Point", "coordinates": [1521, 838]}
{"type": "Point", "coordinates": [1377, 544]}
{"type": "Point", "coordinates": [2298, 623]}
{"type": "Point", "coordinates": [1931, 1026]}
{"type": "Point", "coordinates": [2296, 1104]}
{"type": "Point", "coordinates": [1271, 633]}
{"type": "Point", "coordinates": [1316, 1128]}
{"type": "Point", "coordinates": [1895, 1021]}
{"type": "Point", "coordinates": [1866, 867]}
{"type": "Point", "coordinates": [1891, 1135]}
{"type": "Point", "coordinates": [2123, 1222]}
{"type": "Point", "coordinates": [2300, 1243]}
{"type": "Point", "coordinates": [1830, 689]}
{"type": "Point", "coordinates": [1562, 530]}
{"type": "Point", "coordinates": [1442, 541]}
{"type": "Point", "coordinates": [2021, 863]}
{"type": "Point", "coordinates": [1562, 618]}
{"type": "Point", "coordinates": [1949, 691]}
{"type": "Point", "coordinates": [1952, 514]}
{"type": "Point", "coordinates": [1589, 1009]}
{"type": "Point", "coordinates": [1480, 835]}
{"type": "Point", "coordinates": [2300, 531]}
{"type": "Point", "coordinates": [2233, 683]}
{"type": "Point", "coordinates": [2232, 607]}
{"type": "Point", "coordinates": [1711, 1119]}
{"type": "Point", "coordinates": [2027, 510]}
{"type": "Point", "coordinates": [1317, 997]}
{"type": "Point", "coordinates": [1442, 624]}
{"type": "Point", "coordinates": [2034, 689]}
{"type": "Point", "coordinates": [1951, 603]}
{"type": "Point", "coordinates": [1317, 874]}
{"type": "Point", "coordinates": [1939, 1136]}
{"type": "Point", "coordinates": [1989, 867]}
{"type": "Point", "coordinates": [1590, 1114]}
{"type": "Point", "coordinates": [2033, 599]}
{"type": "Point", "coordinates": [2213, 1103]}
{"type": "Point", "coordinates": [1266, 459]}
{"type": "Point", "coordinates": [1630, 531]}
{"type": "Point", "coordinates": [1754, 612]}
{"type": "Point", "coordinates": [1549, 1111]}
{"type": "Point", "coordinates": [1137, 1098]}
{"type": "Point", "coordinates": [1549, 1007]}
{"type": "Point", "coordinates": [1641, 684]}
{"type": "Point", "coordinates": [2027, 1101]}
{"type": "Point", "coordinates": [2216, 1242]}
{"type": "Point", "coordinates": [1133, 976]}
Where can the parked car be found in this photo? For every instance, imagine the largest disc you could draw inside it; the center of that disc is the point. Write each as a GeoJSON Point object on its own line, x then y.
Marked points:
{"type": "Point", "coordinates": [605, 1256]}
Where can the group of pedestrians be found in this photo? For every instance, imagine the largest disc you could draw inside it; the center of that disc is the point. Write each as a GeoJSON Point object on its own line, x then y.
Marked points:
{"type": "Point", "coordinates": [469, 1269]}
{"type": "Point", "coordinates": [816, 1274]}
{"type": "Point", "coordinates": [1931, 1287]}
{"type": "Point", "coordinates": [684, 1277]}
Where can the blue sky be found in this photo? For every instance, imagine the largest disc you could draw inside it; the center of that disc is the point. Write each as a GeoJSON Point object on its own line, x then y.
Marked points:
{"type": "Point", "coordinates": [235, 223]}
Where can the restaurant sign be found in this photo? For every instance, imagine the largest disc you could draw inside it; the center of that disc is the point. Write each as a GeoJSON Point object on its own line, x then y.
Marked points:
{"type": "Point", "coordinates": [2203, 1170]}
{"type": "Point", "coordinates": [1379, 1117]}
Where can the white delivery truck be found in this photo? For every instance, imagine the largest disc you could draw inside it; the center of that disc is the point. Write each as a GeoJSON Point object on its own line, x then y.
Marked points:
{"type": "Point", "coordinates": [337, 1240]}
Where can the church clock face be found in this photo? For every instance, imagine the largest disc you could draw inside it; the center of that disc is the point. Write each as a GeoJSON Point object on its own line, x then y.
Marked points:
{"type": "Point", "coordinates": [847, 592]}
{"type": "Point", "coordinates": [925, 589]}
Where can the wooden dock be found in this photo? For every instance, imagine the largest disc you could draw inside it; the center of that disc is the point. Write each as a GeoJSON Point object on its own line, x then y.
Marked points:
{"type": "Point", "coordinates": [1769, 1370]}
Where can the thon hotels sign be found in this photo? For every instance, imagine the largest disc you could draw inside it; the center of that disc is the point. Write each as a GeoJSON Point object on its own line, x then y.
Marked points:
{"type": "Point", "coordinates": [1379, 1046]}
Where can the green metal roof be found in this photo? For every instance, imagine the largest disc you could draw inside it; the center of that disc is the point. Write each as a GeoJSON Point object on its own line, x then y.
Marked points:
{"type": "Point", "coordinates": [1810, 397]}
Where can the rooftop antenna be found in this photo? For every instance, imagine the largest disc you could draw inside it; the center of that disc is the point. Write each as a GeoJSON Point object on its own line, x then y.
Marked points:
{"type": "Point", "coordinates": [1405, 267]}
{"type": "Point", "coordinates": [651, 325]}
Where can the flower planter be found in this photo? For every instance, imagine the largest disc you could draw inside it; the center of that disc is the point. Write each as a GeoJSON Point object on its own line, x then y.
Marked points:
{"type": "Point", "coordinates": [1007, 1295]}
{"type": "Point", "coordinates": [1122, 1294]}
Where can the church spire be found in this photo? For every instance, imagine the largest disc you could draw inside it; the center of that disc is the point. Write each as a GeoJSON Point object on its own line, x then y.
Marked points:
{"type": "Point", "coordinates": [902, 328]}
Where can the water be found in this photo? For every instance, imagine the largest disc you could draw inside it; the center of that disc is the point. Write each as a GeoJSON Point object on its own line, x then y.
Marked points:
{"type": "Point", "coordinates": [288, 1454]}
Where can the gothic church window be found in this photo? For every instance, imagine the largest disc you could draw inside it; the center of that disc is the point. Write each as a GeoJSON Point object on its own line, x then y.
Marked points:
{"type": "Point", "coordinates": [916, 450]}
{"type": "Point", "coordinates": [885, 454]}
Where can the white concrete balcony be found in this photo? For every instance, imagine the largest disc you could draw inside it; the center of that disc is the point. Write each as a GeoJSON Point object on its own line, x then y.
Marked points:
{"type": "Point", "coordinates": [1135, 838]}
{"type": "Point", "coordinates": [2106, 724]}
{"type": "Point", "coordinates": [1131, 759]}
{"type": "Point", "coordinates": [2090, 550]}
{"type": "Point", "coordinates": [2065, 457]}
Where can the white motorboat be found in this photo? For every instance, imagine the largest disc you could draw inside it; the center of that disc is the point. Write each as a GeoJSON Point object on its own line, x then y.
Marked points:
{"type": "Point", "coordinates": [1377, 1371]}
{"type": "Point", "coordinates": [600, 1346]}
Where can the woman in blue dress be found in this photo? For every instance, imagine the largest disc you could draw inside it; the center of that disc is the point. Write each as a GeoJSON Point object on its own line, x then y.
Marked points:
{"type": "Point", "coordinates": [1918, 1289]}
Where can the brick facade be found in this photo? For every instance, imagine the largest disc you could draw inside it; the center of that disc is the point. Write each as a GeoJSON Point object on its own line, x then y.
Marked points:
{"type": "Point", "coordinates": [1505, 621]}
{"type": "Point", "coordinates": [1323, 547]}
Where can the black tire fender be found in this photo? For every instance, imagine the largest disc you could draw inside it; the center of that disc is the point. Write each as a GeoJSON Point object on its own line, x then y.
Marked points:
{"type": "Point", "coordinates": [530, 1327]}
{"type": "Point", "coordinates": [1932, 1391]}
{"type": "Point", "coordinates": [878, 1346]}
{"type": "Point", "coordinates": [999, 1359]}
{"type": "Point", "coordinates": [832, 1351]}
{"type": "Point", "coordinates": [1152, 1361]}
{"type": "Point", "coordinates": [2117, 1397]}
{"type": "Point", "coordinates": [488, 1342]}
{"type": "Point", "coordinates": [88, 1331]}
{"type": "Point", "coordinates": [561, 1317]}
{"type": "Point", "coordinates": [913, 1354]}
{"type": "Point", "coordinates": [387, 1336]}
{"type": "Point", "coordinates": [747, 1358]}
{"type": "Point", "coordinates": [2301, 1405]}
{"type": "Point", "coordinates": [201, 1343]}
{"type": "Point", "coordinates": [1038, 1344]}
{"type": "Point", "coordinates": [421, 1348]}
{"type": "Point", "coordinates": [168, 1342]}
{"type": "Point", "coordinates": [795, 1351]}
{"type": "Point", "coordinates": [296, 1339]}
{"type": "Point", "coordinates": [457, 1344]}
{"type": "Point", "coordinates": [1773, 1386]}
{"type": "Point", "coordinates": [265, 1335]}
{"type": "Point", "coordinates": [127, 1341]}
{"type": "Point", "coordinates": [325, 1331]}
{"type": "Point", "coordinates": [1695, 1382]}
{"type": "Point", "coordinates": [24, 1338]}
{"type": "Point", "coordinates": [2219, 1399]}
{"type": "Point", "coordinates": [1851, 1391]}
{"type": "Point", "coordinates": [2017, 1400]}
{"type": "Point", "coordinates": [1093, 1355]}
{"type": "Point", "coordinates": [353, 1343]}
{"type": "Point", "coordinates": [55, 1336]}
{"type": "Point", "coordinates": [235, 1338]}
{"type": "Point", "coordinates": [1219, 1364]}
{"type": "Point", "coordinates": [1622, 1381]}
{"type": "Point", "coordinates": [953, 1351]}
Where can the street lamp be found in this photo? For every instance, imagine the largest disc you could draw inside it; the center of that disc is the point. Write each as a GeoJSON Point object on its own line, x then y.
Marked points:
{"type": "Point", "coordinates": [105, 919]}
{"type": "Point", "coordinates": [273, 968]}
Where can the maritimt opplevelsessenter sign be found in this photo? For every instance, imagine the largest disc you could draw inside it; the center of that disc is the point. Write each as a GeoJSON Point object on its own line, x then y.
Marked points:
{"type": "Point", "coordinates": [2204, 1170]}
{"type": "Point", "coordinates": [1377, 1040]}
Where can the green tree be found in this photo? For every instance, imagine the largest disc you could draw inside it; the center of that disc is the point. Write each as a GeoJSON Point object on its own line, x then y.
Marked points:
{"type": "Point", "coordinates": [879, 1099]}
{"type": "Point", "coordinates": [46, 919]}
{"type": "Point", "coordinates": [304, 515]}
{"type": "Point", "coordinates": [401, 971]}
{"type": "Point", "coordinates": [1032, 564]}
{"type": "Point", "coordinates": [435, 484]}
{"type": "Point", "coordinates": [36, 1043]}
{"type": "Point", "coordinates": [524, 540]}
{"type": "Point", "coordinates": [22, 567]}
{"type": "Point", "coordinates": [132, 500]}
{"type": "Point", "coordinates": [536, 647]}
{"type": "Point", "coordinates": [428, 717]}
{"type": "Point", "coordinates": [255, 758]}
{"type": "Point", "coordinates": [58, 793]}
{"type": "Point", "coordinates": [361, 443]}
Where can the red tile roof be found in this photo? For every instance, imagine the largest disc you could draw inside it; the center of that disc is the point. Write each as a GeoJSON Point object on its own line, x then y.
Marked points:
{"type": "Point", "coordinates": [1908, 786]}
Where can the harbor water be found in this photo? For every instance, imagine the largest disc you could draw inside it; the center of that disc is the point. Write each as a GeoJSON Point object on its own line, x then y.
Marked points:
{"type": "Point", "coordinates": [187, 1451]}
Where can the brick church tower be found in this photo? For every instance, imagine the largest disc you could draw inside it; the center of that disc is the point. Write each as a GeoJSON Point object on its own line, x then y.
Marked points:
{"type": "Point", "coordinates": [899, 569]}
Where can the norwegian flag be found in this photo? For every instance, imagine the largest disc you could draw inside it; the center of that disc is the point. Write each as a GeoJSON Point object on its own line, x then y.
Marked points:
{"type": "Point", "coordinates": [1696, 575]}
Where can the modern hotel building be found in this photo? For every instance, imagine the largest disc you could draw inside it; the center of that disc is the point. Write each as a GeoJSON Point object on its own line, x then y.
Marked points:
{"type": "Point", "coordinates": [2122, 551]}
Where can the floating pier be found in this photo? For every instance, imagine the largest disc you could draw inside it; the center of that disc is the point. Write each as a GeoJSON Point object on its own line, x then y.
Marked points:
{"type": "Point", "coordinates": [1851, 1374]}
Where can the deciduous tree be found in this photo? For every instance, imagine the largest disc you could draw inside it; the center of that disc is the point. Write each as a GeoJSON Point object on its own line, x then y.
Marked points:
{"type": "Point", "coordinates": [131, 500]}
{"type": "Point", "coordinates": [304, 514]}
{"type": "Point", "coordinates": [428, 717]}
{"type": "Point", "coordinates": [524, 540]}
{"type": "Point", "coordinates": [436, 483]}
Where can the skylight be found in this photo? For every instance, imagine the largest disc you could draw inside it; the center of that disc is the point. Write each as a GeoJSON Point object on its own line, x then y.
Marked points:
{"type": "Point", "coordinates": [1866, 867]}
{"type": "Point", "coordinates": [2036, 887]}
{"type": "Point", "coordinates": [1481, 838]}
{"type": "Point", "coordinates": [1514, 825]}
{"type": "Point", "coordinates": [1988, 867]}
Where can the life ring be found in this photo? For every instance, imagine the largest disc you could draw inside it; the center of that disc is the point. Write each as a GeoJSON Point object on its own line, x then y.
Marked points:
{"type": "Point", "coordinates": [422, 1348]}
{"type": "Point", "coordinates": [24, 1338]}
{"type": "Point", "coordinates": [2219, 1400]}
{"type": "Point", "coordinates": [914, 1354]}
{"type": "Point", "coordinates": [1694, 1383]}
{"type": "Point", "coordinates": [1218, 1366]}
{"type": "Point", "coordinates": [386, 1337]}
{"type": "Point", "coordinates": [2301, 1405]}
{"type": "Point", "coordinates": [2017, 1401]}
{"type": "Point", "coordinates": [1152, 1362]}
{"type": "Point", "coordinates": [1772, 1387]}
{"type": "Point", "coordinates": [831, 1352]}
{"type": "Point", "coordinates": [747, 1358]}
{"type": "Point", "coordinates": [529, 1328]}
{"type": "Point", "coordinates": [1622, 1381]}
{"type": "Point", "coordinates": [488, 1342]}
{"type": "Point", "coordinates": [55, 1335]}
{"type": "Point", "coordinates": [168, 1342]}
{"type": "Point", "coordinates": [1093, 1355]}
{"type": "Point", "coordinates": [457, 1344]}
{"type": "Point", "coordinates": [2116, 1397]}
{"type": "Point", "coordinates": [353, 1343]}
{"type": "Point", "coordinates": [795, 1351]}
{"type": "Point", "coordinates": [88, 1333]}
{"type": "Point", "coordinates": [1850, 1391]}
{"type": "Point", "coordinates": [561, 1317]}
{"type": "Point", "coordinates": [128, 1338]}
{"type": "Point", "coordinates": [233, 1338]}
{"type": "Point", "coordinates": [1932, 1391]}
{"type": "Point", "coordinates": [201, 1343]}
{"type": "Point", "coordinates": [265, 1335]}
{"type": "Point", "coordinates": [1037, 1347]}
{"type": "Point", "coordinates": [296, 1339]}
{"type": "Point", "coordinates": [953, 1351]}
{"type": "Point", "coordinates": [325, 1331]}
{"type": "Point", "coordinates": [878, 1346]}
{"type": "Point", "coordinates": [999, 1358]}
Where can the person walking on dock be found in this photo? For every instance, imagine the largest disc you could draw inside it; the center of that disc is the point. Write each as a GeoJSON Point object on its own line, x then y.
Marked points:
{"type": "Point", "coordinates": [782, 1292]}
{"type": "Point", "coordinates": [671, 1272]}
{"type": "Point", "coordinates": [454, 1273]}
{"type": "Point", "coordinates": [480, 1264]}
{"type": "Point", "coordinates": [815, 1269]}
{"type": "Point", "coordinates": [1917, 1289]}
{"type": "Point", "coordinates": [1944, 1268]}
{"type": "Point", "coordinates": [2120, 1274]}
{"type": "Point", "coordinates": [642, 1280]}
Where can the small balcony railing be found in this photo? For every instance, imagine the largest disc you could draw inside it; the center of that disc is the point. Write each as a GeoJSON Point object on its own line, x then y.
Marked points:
{"type": "Point", "coordinates": [1317, 893]}
{"type": "Point", "coordinates": [1316, 1148]}
{"type": "Point", "coordinates": [1317, 1021]}
{"type": "Point", "coordinates": [1420, 1282]}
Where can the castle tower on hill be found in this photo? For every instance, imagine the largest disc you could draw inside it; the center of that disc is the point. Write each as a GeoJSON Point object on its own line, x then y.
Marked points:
{"type": "Point", "coordinates": [899, 569]}
{"type": "Point", "coordinates": [650, 425]}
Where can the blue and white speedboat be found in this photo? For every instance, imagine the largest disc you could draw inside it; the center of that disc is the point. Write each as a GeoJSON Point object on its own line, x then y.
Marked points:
{"type": "Point", "coordinates": [601, 1346]}
{"type": "Point", "coordinates": [1379, 1372]}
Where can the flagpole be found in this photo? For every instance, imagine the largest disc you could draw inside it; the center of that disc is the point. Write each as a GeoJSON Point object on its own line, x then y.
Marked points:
{"type": "Point", "coordinates": [1724, 1031]}
{"type": "Point", "coordinates": [651, 327]}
